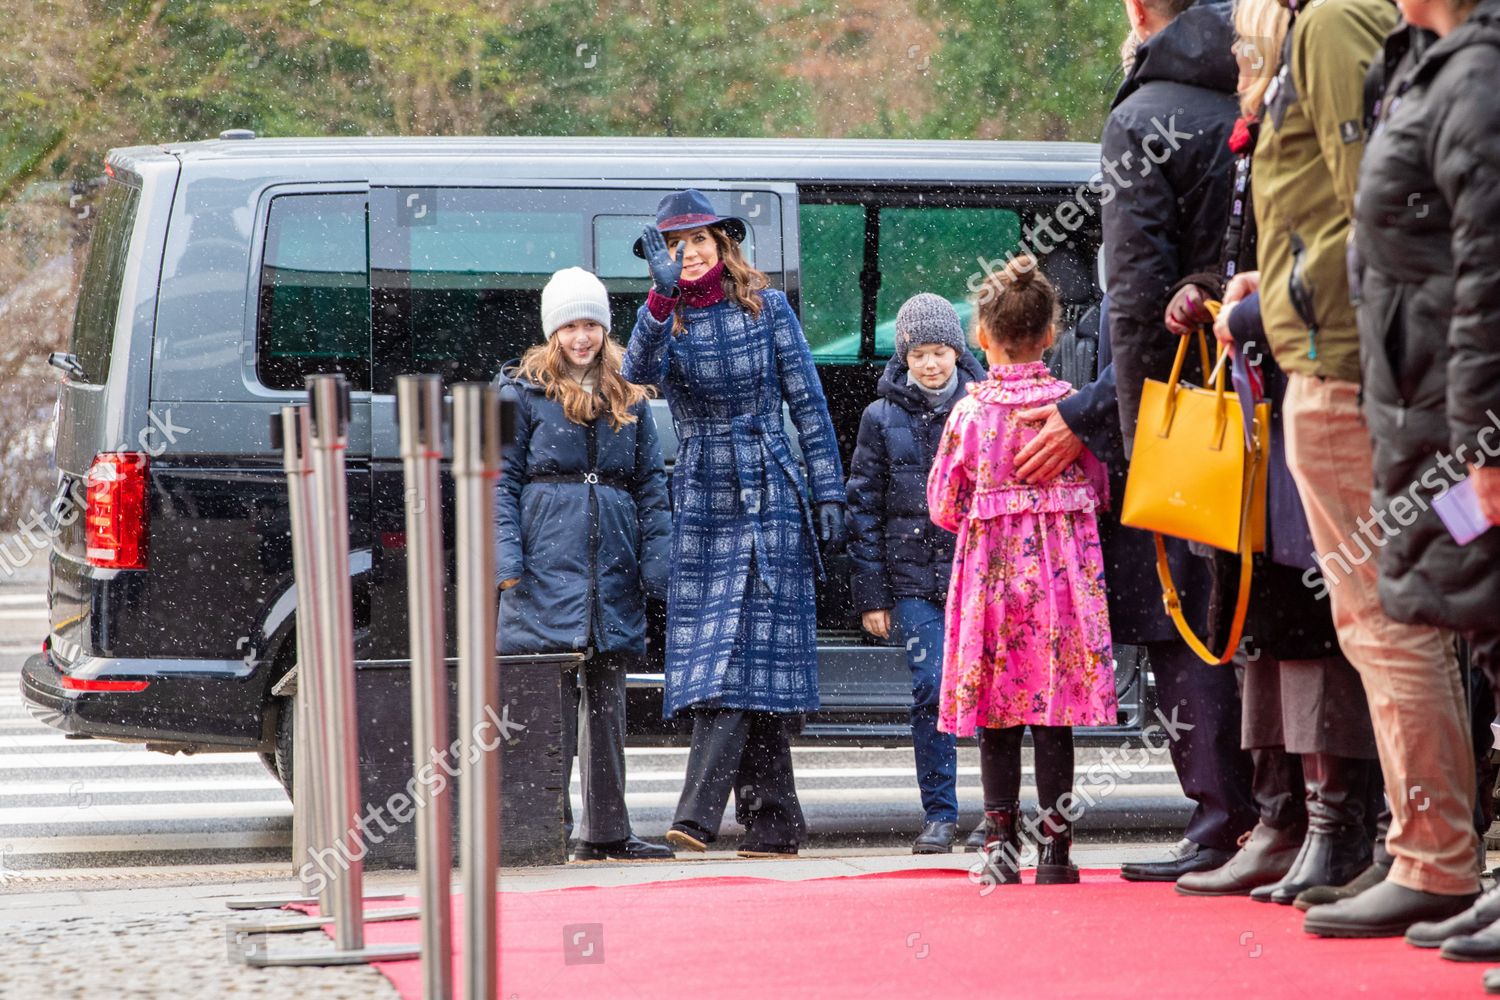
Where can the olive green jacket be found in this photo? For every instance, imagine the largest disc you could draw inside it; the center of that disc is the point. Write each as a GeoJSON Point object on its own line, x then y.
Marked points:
{"type": "Point", "coordinates": [1305, 170]}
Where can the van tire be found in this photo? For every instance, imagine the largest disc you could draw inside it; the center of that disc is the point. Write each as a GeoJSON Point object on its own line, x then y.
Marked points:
{"type": "Point", "coordinates": [280, 762]}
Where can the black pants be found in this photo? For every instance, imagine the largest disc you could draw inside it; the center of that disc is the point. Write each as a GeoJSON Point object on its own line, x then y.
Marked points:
{"type": "Point", "coordinates": [1214, 772]}
{"type": "Point", "coordinates": [595, 690]}
{"type": "Point", "coordinates": [749, 753]}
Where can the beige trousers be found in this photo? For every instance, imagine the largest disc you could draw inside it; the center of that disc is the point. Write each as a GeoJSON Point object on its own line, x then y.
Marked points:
{"type": "Point", "coordinates": [1409, 672]}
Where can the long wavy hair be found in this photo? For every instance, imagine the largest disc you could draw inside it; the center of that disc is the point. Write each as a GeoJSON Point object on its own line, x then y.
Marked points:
{"type": "Point", "coordinates": [742, 280]}
{"type": "Point", "coordinates": [1260, 28]}
{"type": "Point", "coordinates": [546, 366]}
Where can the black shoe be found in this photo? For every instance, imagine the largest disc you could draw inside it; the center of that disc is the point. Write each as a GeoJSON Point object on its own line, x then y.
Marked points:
{"type": "Point", "coordinates": [752, 849]}
{"type": "Point", "coordinates": [1323, 894]}
{"type": "Point", "coordinates": [632, 848]}
{"type": "Point", "coordinates": [1054, 865]}
{"type": "Point", "coordinates": [1433, 933]}
{"type": "Point", "coordinates": [1001, 863]}
{"type": "Point", "coordinates": [975, 840]}
{"type": "Point", "coordinates": [1384, 910]}
{"type": "Point", "coordinates": [935, 838]}
{"type": "Point", "coordinates": [1186, 856]}
{"type": "Point", "coordinates": [687, 838]}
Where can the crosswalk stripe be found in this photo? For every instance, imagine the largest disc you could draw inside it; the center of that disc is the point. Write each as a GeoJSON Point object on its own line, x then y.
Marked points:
{"type": "Point", "coordinates": [17, 599]}
{"type": "Point", "coordinates": [135, 812]}
{"type": "Point", "coordinates": [137, 758]}
{"type": "Point", "coordinates": [151, 843]}
{"type": "Point", "coordinates": [146, 787]}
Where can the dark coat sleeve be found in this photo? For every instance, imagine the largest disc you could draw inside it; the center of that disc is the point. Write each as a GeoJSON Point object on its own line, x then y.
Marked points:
{"type": "Point", "coordinates": [510, 561]}
{"type": "Point", "coordinates": [652, 508]}
{"type": "Point", "coordinates": [1467, 173]}
{"type": "Point", "coordinates": [1142, 254]}
{"type": "Point", "coordinates": [869, 478]}
{"type": "Point", "coordinates": [803, 392]}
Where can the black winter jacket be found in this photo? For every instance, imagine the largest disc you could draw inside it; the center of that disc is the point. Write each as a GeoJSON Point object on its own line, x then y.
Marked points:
{"type": "Point", "coordinates": [1428, 242]}
{"type": "Point", "coordinates": [587, 554]}
{"type": "Point", "coordinates": [896, 550]}
{"type": "Point", "coordinates": [1168, 179]}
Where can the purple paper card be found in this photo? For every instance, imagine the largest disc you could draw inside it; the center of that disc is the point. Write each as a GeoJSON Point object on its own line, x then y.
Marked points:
{"type": "Point", "coordinates": [1459, 509]}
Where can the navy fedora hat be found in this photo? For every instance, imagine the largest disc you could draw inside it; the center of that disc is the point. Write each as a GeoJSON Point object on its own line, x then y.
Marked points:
{"type": "Point", "coordinates": [688, 210]}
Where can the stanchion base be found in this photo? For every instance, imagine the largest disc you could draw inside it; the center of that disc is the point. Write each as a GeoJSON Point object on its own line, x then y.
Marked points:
{"type": "Point", "coordinates": [277, 902]}
{"type": "Point", "coordinates": [236, 931]}
{"type": "Point", "coordinates": [256, 955]}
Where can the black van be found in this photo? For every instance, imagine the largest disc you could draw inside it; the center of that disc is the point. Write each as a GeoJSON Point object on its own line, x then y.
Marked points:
{"type": "Point", "coordinates": [223, 272]}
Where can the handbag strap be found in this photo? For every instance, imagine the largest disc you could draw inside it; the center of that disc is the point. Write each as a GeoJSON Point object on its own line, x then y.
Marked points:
{"type": "Point", "coordinates": [1173, 602]}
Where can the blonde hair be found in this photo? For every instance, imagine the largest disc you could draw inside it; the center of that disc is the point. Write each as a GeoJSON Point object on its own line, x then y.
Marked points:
{"type": "Point", "coordinates": [742, 281]}
{"type": "Point", "coordinates": [1261, 25]}
{"type": "Point", "coordinates": [546, 366]}
{"type": "Point", "coordinates": [1016, 305]}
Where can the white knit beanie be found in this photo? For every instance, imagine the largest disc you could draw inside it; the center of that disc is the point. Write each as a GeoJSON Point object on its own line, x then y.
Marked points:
{"type": "Point", "coordinates": [574, 293]}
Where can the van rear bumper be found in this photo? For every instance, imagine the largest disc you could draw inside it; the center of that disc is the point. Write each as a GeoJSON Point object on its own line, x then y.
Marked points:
{"type": "Point", "coordinates": [205, 705]}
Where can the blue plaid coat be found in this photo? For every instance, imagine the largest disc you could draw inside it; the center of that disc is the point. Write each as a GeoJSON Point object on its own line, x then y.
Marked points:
{"type": "Point", "coordinates": [742, 601]}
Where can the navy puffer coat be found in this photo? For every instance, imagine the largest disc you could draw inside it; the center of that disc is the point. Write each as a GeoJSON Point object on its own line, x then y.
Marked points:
{"type": "Point", "coordinates": [586, 553]}
{"type": "Point", "coordinates": [896, 550]}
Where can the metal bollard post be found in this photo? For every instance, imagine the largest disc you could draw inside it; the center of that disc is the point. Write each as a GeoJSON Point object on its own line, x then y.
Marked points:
{"type": "Point", "coordinates": [476, 467]}
{"type": "Point", "coordinates": [419, 399]}
{"type": "Point", "coordinates": [328, 519]}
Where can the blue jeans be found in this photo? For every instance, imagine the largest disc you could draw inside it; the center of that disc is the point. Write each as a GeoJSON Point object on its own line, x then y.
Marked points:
{"type": "Point", "coordinates": [918, 625]}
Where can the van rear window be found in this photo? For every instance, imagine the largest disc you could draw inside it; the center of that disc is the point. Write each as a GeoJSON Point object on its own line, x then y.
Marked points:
{"type": "Point", "coordinates": [314, 291]}
{"type": "Point", "coordinates": [103, 277]}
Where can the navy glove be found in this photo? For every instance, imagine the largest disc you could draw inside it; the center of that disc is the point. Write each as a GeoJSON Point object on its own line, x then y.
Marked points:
{"type": "Point", "coordinates": [665, 268]}
{"type": "Point", "coordinates": [831, 530]}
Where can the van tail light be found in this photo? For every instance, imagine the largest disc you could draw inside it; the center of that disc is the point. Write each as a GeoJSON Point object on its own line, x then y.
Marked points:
{"type": "Point", "coordinates": [115, 511]}
{"type": "Point", "coordinates": [125, 687]}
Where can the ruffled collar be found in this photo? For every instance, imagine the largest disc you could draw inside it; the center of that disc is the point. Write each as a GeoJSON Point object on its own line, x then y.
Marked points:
{"type": "Point", "coordinates": [704, 291]}
{"type": "Point", "coordinates": [1028, 384]}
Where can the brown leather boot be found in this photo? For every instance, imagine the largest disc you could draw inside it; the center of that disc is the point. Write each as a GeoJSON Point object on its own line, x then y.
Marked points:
{"type": "Point", "coordinates": [1264, 858]}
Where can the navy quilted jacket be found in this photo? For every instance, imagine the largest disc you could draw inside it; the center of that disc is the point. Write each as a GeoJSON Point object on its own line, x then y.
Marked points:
{"type": "Point", "coordinates": [896, 550]}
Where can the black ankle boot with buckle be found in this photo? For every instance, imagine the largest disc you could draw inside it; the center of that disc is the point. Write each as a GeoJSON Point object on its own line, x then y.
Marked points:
{"type": "Point", "coordinates": [1002, 847]}
{"type": "Point", "coordinates": [1054, 862]}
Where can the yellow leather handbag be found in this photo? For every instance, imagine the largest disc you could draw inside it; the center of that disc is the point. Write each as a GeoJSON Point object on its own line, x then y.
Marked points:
{"type": "Point", "coordinates": [1194, 475]}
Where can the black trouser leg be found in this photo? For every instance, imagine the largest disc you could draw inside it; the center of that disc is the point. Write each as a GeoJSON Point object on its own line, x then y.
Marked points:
{"type": "Point", "coordinates": [719, 738]}
{"type": "Point", "coordinates": [1054, 765]}
{"type": "Point", "coordinates": [1000, 767]}
{"type": "Point", "coordinates": [601, 750]}
{"type": "Point", "coordinates": [1214, 772]}
{"type": "Point", "coordinates": [1279, 788]}
{"type": "Point", "coordinates": [765, 789]}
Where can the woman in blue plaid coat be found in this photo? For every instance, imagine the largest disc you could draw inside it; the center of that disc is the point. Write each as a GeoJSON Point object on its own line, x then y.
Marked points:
{"type": "Point", "coordinates": [742, 605]}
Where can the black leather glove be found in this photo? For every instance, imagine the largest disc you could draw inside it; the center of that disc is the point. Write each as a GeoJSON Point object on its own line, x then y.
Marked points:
{"type": "Point", "coordinates": [665, 268]}
{"type": "Point", "coordinates": [831, 531]}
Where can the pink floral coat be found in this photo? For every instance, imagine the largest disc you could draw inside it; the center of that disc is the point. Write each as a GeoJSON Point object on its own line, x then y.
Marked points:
{"type": "Point", "coordinates": [1027, 629]}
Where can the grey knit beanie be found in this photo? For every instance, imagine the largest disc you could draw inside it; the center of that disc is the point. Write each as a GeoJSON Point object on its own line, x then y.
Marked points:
{"type": "Point", "coordinates": [574, 293]}
{"type": "Point", "coordinates": [926, 318]}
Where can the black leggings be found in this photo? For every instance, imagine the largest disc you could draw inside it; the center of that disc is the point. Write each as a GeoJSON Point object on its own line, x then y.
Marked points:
{"type": "Point", "coordinates": [1000, 765]}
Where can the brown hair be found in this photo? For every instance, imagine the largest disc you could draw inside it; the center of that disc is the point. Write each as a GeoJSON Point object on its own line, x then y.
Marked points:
{"type": "Point", "coordinates": [546, 366]}
{"type": "Point", "coordinates": [741, 278]}
{"type": "Point", "coordinates": [1016, 305]}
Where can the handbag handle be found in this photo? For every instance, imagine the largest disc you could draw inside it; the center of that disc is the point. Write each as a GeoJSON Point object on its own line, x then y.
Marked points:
{"type": "Point", "coordinates": [1214, 372]}
{"type": "Point", "coordinates": [1173, 602]}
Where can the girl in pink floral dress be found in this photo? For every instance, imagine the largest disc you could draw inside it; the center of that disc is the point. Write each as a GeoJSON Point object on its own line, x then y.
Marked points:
{"type": "Point", "coordinates": [1027, 627]}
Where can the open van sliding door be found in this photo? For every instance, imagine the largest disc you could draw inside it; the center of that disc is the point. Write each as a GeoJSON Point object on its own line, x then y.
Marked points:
{"type": "Point", "coordinates": [457, 275]}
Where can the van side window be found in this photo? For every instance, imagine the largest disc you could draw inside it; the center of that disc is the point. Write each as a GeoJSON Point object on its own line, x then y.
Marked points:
{"type": "Point", "coordinates": [863, 256]}
{"type": "Point", "coordinates": [314, 312]}
{"type": "Point", "coordinates": [99, 296]}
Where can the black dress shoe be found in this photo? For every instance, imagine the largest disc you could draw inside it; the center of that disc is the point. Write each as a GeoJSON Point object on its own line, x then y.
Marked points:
{"type": "Point", "coordinates": [935, 838]}
{"type": "Point", "coordinates": [1384, 910]}
{"type": "Point", "coordinates": [1432, 933]}
{"type": "Point", "coordinates": [975, 840]}
{"type": "Point", "coordinates": [1186, 856]}
{"type": "Point", "coordinates": [632, 848]}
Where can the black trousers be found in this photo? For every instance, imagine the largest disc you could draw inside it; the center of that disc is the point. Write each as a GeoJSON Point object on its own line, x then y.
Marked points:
{"type": "Point", "coordinates": [750, 754]}
{"type": "Point", "coordinates": [595, 693]}
{"type": "Point", "coordinates": [1214, 772]}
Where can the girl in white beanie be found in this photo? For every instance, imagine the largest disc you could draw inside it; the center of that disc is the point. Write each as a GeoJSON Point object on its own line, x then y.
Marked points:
{"type": "Point", "coordinates": [582, 529]}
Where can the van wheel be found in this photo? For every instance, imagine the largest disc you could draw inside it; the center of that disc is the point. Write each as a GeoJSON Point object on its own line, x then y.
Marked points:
{"type": "Point", "coordinates": [280, 763]}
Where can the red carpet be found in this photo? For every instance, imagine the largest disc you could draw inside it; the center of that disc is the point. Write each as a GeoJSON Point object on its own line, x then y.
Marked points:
{"type": "Point", "coordinates": [923, 934]}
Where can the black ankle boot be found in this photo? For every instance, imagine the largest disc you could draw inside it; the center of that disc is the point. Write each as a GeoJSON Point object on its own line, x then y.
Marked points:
{"type": "Point", "coordinates": [1002, 848]}
{"type": "Point", "coordinates": [1337, 847]}
{"type": "Point", "coordinates": [1054, 865]}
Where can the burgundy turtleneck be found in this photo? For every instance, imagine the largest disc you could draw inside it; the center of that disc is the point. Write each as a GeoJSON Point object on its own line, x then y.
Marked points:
{"type": "Point", "coordinates": [697, 293]}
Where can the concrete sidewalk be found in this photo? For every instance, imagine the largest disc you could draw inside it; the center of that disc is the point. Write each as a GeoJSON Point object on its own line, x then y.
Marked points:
{"type": "Point", "coordinates": [150, 933]}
